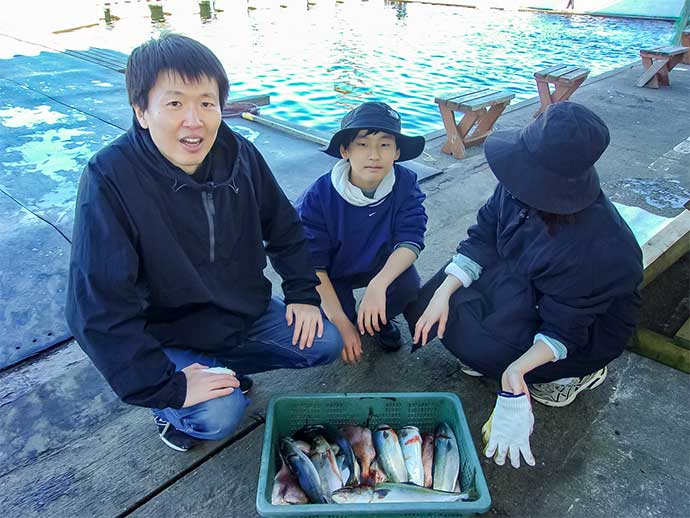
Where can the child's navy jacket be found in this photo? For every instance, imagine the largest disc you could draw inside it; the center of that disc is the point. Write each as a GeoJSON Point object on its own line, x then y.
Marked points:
{"type": "Point", "coordinates": [353, 243]}
{"type": "Point", "coordinates": [579, 285]}
{"type": "Point", "coordinates": [160, 260]}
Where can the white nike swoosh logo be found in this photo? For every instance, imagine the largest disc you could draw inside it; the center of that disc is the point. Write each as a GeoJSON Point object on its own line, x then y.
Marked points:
{"type": "Point", "coordinates": [370, 215]}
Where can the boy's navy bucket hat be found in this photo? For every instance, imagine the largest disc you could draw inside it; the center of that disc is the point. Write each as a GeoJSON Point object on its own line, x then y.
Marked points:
{"type": "Point", "coordinates": [549, 165]}
{"type": "Point", "coordinates": [381, 117]}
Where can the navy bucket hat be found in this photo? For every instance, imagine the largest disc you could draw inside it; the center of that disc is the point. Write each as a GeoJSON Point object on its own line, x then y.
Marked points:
{"type": "Point", "coordinates": [381, 117]}
{"type": "Point", "coordinates": [549, 165]}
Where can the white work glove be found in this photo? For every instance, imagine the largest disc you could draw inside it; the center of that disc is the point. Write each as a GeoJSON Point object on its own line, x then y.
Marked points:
{"type": "Point", "coordinates": [508, 429]}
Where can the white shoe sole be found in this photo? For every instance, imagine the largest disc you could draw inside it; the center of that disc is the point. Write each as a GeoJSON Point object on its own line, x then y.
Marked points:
{"type": "Point", "coordinates": [167, 442]}
{"type": "Point", "coordinates": [594, 383]}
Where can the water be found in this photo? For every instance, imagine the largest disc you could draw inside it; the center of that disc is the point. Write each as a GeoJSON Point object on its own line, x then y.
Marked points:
{"type": "Point", "coordinates": [317, 62]}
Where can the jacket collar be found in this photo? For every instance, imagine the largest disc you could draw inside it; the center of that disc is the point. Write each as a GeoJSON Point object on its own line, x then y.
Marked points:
{"type": "Point", "coordinates": [224, 163]}
{"type": "Point", "coordinates": [340, 178]}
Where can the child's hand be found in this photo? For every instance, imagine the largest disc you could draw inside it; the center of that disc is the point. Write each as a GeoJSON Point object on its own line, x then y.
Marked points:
{"type": "Point", "coordinates": [372, 308]}
{"type": "Point", "coordinates": [352, 344]}
{"type": "Point", "coordinates": [435, 312]}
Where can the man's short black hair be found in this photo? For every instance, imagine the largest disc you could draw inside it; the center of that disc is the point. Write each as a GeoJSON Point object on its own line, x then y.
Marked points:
{"type": "Point", "coordinates": [174, 53]}
{"type": "Point", "coordinates": [348, 136]}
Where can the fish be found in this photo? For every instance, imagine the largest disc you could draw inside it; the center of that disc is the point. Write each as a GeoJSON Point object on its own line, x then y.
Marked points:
{"type": "Point", "coordinates": [389, 453]}
{"type": "Point", "coordinates": [411, 446]}
{"type": "Point", "coordinates": [392, 493]}
{"type": "Point", "coordinates": [303, 469]}
{"type": "Point", "coordinates": [344, 471]}
{"type": "Point", "coordinates": [428, 458]}
{"type": "Point", "coordinates": [286, 488]}
{"type": "Point", "coordinates": [376, 474]}
{"type": "Point", "coordinates": [333, 435]}
{"type": "Point", "coordinates": [326, 466]}
{"type": "Point", "coordinates": [362, 446]}
{"type": "Point", "coordinates": [304, 446]}
{"type": "Point", "coordinates": [446, 459]}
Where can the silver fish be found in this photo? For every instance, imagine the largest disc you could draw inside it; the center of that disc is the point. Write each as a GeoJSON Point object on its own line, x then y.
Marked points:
{"type": "Point", "coordinates": [391, 493]}
{"type": "Point", "coordinates": [286, 488]}
{"type": "Point", "coordinates": [363, 448]}
{"type": "Point", "coordinates": [333, 435]}
{"type": "Point", "coordinates": [344, 470]}
{"type": "Point", "coordinates": [327, 467]}
{"type": "Point", "coordinates": [303, 469]}
{"type": "Point", "coordinates": [411, 446]}
{"type": "Point", "coordinates": [446, 459]}
{"type": "Point", "coordinates": [428, 458]}
{"type": "Point", "coordinates": [304, 446]}
{"type": "Point", "coordinates": [389, 454]}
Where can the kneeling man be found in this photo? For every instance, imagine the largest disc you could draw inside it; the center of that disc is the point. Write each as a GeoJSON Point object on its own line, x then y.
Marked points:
{"type": "Point", "coordinates": [174, 220]}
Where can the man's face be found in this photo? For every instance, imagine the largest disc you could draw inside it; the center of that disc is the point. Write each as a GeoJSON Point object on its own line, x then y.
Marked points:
{"type": "Point", "coordinates": [371, 157]}
{"type": "Point", "coordinates": [183, 118]}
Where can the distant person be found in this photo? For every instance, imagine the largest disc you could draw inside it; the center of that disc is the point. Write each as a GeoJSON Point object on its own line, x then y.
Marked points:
{"type": "Point", "coordinates": [543, 293]}
{"type": "Point", "coordinates": [365, 224]}
{"type": "Point", "coordinates": [571, 4]}
{"type": "Point", "coordinates": [174, 220]}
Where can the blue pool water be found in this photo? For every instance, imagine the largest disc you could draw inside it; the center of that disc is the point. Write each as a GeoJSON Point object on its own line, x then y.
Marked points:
{"type": "Point", "coordinates": [316, 62]}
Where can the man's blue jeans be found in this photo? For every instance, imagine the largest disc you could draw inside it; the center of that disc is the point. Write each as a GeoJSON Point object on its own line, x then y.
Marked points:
{"type": "Point", "coordinates": [268, 346]}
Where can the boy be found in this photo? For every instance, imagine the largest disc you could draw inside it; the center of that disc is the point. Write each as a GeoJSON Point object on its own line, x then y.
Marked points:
{"type": "Point", "coordinates": [174, 220]}
{"type": "Point", "coordinates": [365, 224]}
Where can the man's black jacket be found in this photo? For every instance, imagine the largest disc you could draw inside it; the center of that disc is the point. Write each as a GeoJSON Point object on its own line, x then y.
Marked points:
{"type": "Point", "coordinates": [161, 260]}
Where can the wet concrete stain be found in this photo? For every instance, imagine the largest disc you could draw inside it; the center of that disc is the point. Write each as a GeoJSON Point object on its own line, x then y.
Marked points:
{"type": "Point", "coordinates": [662, 193]}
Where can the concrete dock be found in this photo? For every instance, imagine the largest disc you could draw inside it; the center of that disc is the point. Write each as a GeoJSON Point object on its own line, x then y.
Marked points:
{"type": "Point", "coordinates": [69, 448]}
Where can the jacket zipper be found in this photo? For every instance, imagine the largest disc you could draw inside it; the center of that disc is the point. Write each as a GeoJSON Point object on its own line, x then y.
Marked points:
{"type": "Point", "coordinates": [209, 207]}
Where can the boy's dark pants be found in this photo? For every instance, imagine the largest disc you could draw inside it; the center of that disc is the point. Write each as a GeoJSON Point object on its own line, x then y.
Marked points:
{"type": "Point", "coordinates": [399, 294]}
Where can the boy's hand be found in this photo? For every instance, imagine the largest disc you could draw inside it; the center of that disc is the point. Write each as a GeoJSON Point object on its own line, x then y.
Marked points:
{"type": "Point", "coordinates": [352, 344]}
{"type": "Point", "coordinates": [372, 308]}
{"type": "Point", "coordinates": [308, 323]}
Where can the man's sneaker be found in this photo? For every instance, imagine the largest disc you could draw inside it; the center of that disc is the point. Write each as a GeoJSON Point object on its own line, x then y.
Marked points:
{"type": "Point", "coordinates": [555, 394]}
{"type": "Point", "coordinates": [389, 337]}
{"type": "Point", "coordinates": [246, 383]}
{"type": "Point", "coordinates": [466, 369]}
{"type": "Point", "coordinates": [172, 437]}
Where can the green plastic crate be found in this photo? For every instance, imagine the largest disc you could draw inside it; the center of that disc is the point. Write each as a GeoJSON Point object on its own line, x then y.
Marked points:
{"type": "Point", "coordinates": [287, 414]}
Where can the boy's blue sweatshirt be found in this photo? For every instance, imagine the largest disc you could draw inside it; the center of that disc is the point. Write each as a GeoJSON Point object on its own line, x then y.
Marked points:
{"type": "Point", "coordinates": [350, 242]}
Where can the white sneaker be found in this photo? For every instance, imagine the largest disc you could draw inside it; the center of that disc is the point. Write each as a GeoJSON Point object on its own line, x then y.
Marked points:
{"type": "Point", "coordinates": [558, 395]}
{"type": "Point", "coordinates": [466, 369]}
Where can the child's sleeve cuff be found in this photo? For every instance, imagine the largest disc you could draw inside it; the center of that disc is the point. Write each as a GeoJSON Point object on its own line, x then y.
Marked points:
{"type": "Point", "coordinates": [460, 274]}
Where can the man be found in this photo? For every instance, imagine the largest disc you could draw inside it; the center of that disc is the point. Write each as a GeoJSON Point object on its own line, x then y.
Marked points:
{"type": "Point", "coordinates": [174, 220]}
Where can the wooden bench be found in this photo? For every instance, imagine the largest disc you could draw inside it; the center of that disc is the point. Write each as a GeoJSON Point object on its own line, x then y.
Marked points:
{"type": "Point", "coordinates": [685, 42]}
{"type": "Point", "coordinates": [565, 78]}
{"type": "Point", "coordinates": [481, 109]}
{"type": "Point", "coordinates": [658, 62]}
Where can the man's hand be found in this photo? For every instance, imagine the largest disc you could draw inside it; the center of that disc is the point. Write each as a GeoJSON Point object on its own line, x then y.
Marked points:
{"type": "Point", "coordinates": [372, 309]}
{"type": "Point", "coordinates": [352, 343]}
{"type": "Point", "coordinates": [436, 311]}
{"type": "Point", "coordinates": [204, 386]}
{"type": "Point", "coordinates": [308, 323]}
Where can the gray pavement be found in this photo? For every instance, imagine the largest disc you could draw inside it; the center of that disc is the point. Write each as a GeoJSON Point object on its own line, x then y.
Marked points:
{"type": "Point", "coordinates": [69, 448]}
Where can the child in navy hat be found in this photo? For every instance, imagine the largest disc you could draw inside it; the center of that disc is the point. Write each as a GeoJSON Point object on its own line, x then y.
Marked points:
{"type": "Point", "coordinates": [365, 224]}
{"type": "Point", "coordinates": [543, 293]}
